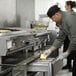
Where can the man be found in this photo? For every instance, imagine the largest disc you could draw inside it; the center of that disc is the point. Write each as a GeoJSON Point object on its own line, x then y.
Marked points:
{"type": "Point", "coordinates": [69, 5]}
{"type": "Point", "coordinates": [67, 24]}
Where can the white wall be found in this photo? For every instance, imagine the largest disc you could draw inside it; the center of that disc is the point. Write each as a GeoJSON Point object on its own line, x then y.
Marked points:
{"type": "Point", "coordinates": [41, 7]}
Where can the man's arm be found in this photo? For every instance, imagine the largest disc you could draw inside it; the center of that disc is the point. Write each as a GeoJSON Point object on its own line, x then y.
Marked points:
{"type": "Point", "coordinates": [57, 43]}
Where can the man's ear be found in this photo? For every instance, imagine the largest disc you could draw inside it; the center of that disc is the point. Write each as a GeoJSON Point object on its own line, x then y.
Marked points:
{"type": "Point", "coordinates": [57, 14]}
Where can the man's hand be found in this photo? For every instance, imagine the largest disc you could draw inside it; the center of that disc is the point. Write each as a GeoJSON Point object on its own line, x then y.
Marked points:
{"type": "Point", "coordinates": [63, 55]}
{"type": "Point", "coordinates": [45, 54]}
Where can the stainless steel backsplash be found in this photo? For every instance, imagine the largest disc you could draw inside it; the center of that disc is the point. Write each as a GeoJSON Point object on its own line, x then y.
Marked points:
{"type": "Point", "coordinates": [14, 13]}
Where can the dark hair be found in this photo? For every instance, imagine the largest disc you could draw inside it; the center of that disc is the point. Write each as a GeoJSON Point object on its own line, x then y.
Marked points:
{"type": "Point", "coordinates": [52, 10]}
{"type": "Point", "coordinates": [71, 3]}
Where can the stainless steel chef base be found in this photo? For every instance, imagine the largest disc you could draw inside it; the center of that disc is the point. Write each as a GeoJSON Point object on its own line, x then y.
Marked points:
{"type": "Point", "coordinates": [48, 67]}
{"type": "Point", "coordinates": [17, 46]}
{"type": "Point", "coordinates": [35, 67]}
{"type": "Point", "coordinates": [18, 69]}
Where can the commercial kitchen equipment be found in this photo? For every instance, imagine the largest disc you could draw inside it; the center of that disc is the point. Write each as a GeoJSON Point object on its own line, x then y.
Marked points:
{"type": "Point", "coordinates": [20, 48]}
{"type": "Point", "coordinates": [49, 67]}
{"type": "Point", "coordinates": [16, 47]}
{"type": "Point", "coordinates": [41, 34]}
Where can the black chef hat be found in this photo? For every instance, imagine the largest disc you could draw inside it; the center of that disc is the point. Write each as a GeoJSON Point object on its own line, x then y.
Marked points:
{"type": "Point", "coordinates": [52, 10]}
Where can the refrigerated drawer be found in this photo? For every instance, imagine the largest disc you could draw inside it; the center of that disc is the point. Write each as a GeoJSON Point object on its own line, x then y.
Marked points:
{"type": "Point", "coordinates": [51, 66]}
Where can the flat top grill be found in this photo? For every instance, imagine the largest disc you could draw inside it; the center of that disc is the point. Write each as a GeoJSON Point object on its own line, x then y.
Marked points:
{"type": "Point", "coordinates": [7, 30]}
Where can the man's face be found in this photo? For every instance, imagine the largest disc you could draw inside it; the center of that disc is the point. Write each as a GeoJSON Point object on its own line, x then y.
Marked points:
{"type": "Point", "coordinates": [56, 18]}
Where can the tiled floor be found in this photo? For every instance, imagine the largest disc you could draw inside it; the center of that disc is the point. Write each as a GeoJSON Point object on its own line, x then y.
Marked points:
{"type": "Point", "coordinates": [60, 73]}
{"type": "Point", "coordinates": [64, 73]}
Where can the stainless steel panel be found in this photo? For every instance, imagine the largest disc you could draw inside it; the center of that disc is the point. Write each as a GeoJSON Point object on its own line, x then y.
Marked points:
{"type": "Point", "coordinates": [50, 66]}
{"type": "Point", "coordinates": [15, 13]}
{"type": "Point", "coordinates": [41, 66]}
{"type": "Point", "coordinates": [25, 12]}
{"type": "Point", "coordinates": [7, 13]}
{"type": "Point", "coordinates": [57, 66]}
{"type": "Point", "coordinates": [5, 37]}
